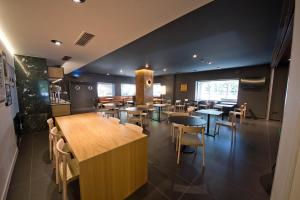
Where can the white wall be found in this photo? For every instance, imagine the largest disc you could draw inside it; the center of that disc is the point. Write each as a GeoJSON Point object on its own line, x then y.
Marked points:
{"type": "Point", "coordinates": [287, 170]}
{"type": "Point", "coordinates": [8, 147]}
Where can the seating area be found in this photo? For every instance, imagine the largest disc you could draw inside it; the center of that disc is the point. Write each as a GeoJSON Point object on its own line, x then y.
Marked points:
{"type": "Point", "coordinates": [149, 100]}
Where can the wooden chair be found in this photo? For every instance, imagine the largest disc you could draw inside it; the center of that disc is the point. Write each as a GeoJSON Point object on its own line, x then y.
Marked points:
{"type": "Point", "coordinates": [55, 137]}
{"type": "Point", "coordinates": [176, 126]}
{"type": "Point", "coordinates": [50, 125]}
{"type": "Point", "coordinates": [190, 109]}
{"type": "Point", "coordinates": [190, 136]}
{"type": "Point", "coordinates": [134, 127]}
{"type": "Point", "coordinates": [231, 123]}
{"type": "Point", "coordinates": [169, 109]}
{"type": "Point", "coordinates": [114, 120]}
{"type": "Point", "coordinates": [240, 112]}
{"type": "Point", "coordinates": [68, 168]}
{"type": "Point", "coordinates": [180, 107]}
{"type": "Point", "coordinates": [135, 117]}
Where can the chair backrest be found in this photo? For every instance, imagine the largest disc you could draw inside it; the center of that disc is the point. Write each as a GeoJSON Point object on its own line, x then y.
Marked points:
{"type": "Point", "coordinates": [50, 124]}
{"type": "Point", "coordinates": [134, 127]}
{"type": "Point", "coordinates": [170, 108]}
{"type": "Point", "coordinates": [232, 117]}
{"type": "Point", "coordinates": [55, 137]}
{"type": "Point", "coordinates": [178, 102]}
{"type": "Point", "coordinates": [114, 120]}
{"type": "Point", "coordinates": [245, 106]}
{"type": "Point", "coordinates": [63, 157]}
{"type": "Point", "coordinates": [131, 113]}
{"type": "Point", "coordinates": [190, 109]}
{"type": "Point", "coordinates": [192, 130]}
{"type": "Point", "coordinates": [179, 114]}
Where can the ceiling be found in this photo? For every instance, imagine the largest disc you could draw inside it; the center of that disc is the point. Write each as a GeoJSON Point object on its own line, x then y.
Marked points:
{"type": "Point", "coordinates": [229, 34]}
{"type": "Point", "coordinates": [30, 25]}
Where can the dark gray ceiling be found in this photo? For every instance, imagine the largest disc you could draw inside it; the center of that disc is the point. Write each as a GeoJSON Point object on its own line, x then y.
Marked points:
{"type": "Point", "coordinates": [229, 33]}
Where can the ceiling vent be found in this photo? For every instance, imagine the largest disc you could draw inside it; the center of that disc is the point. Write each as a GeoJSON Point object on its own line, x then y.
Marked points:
{"type": "Point", "coordinates": [66, 58]}
{"type": "Point", "coordinates": [84, 38]}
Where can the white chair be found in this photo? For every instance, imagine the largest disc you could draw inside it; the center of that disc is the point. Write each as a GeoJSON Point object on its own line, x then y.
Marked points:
{"type": "Point", "coordinates": [190, 136]}
{"type": "Point", "coordinates": [114, 120]}
{"type": "Point", "coordinates": [231, 123]}
{"type": "Point", "coordinates": [176, 126]}
{"type": "Point", "coordinates": [135, 117]}
{"type": "Point", "coordinates": [68, 168]}
{"type": "Point", "coordinates": [55, 137]}
{"type": "Point", "coordinates": [241, 112]}
{"type": "Point", "coordinates": [179, 106]}
{"type": "Point", "coordinates": [50, 125]}
{"type": "Point", "coordinates": [134, 127]}
{"type": "Point", "coordinates": [169, 110]}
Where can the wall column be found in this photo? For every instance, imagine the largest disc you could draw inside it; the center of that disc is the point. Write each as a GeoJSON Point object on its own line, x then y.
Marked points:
{"type": "Point", "coordinates": [144, 86]}
{"type": "Point", "coordinates": [270, 93]}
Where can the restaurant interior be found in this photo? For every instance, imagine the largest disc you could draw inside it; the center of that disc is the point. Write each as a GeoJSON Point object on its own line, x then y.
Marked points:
{"type": "Point", "coordinates": [110, 100]}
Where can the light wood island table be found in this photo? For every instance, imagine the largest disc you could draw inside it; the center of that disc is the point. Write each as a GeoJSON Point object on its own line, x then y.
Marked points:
{"type": "Point", "coordinates": [112, 158]}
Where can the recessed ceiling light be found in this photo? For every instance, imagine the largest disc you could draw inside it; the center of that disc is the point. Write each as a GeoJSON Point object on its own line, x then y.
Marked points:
{"type": "Point", "coordinates": [290, 59]}
{"type": "Point", "coordinates": [195, 56]}
{"type": "Point", "coordinates": [121, 70]}
{"type": "Point", "coordinates": [57, 42]}
{"type": "Point", "coordinates": [219, 67]}
{"type": "Point", "coordinates": [107, 74]}
{"type": "Point", "coordinates": [164, 69]}
{"type": "Point", "coordinates": [209, 62]}
{"type": "Point", "coordinates": [78, 1]}
{"type": "Point", "coordinates": [147, 66]}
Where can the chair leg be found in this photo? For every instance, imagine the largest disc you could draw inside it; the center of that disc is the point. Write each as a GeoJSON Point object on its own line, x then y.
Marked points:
{"type": "Point", "coordinates": [203, 156]}
{"type": "Point", "coordinates": [218, 129]}
{"type": "Point", "coordinates": [65, 191]}
{"type": "Point", "coordinates": [173, 134]}
{"type": "Point", "coordinates": [215, 129]}
{"type": "Point", "coordinates": [56, 171]}
{"type": "Point", "coordinates": [178, 154]}
{"type": "Point", "coordinates": [59, 185]}
{"type": "Point", "coordinates": [50, 148]}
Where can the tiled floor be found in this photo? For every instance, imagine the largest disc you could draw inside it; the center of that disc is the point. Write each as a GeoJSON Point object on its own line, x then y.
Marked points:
{"type": "Point", "coordinates": [232, 171]}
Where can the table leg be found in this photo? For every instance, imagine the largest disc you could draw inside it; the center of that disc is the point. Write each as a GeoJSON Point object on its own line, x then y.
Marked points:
{"type": "Point", "coordinates": [208, 123]}
{"type": "Point", "coordinates": [159, 108]}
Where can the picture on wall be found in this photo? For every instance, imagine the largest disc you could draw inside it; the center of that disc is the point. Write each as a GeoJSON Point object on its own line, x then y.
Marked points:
{"type": "Point", "coordinates": [2, 82]}
{"type": "Point", "coordinates": [183, 87]}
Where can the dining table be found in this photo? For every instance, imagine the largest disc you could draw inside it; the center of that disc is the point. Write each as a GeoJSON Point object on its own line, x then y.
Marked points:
{"type": "Point", "coordinates": [159, 106]}
{"type": "Point", "coordinates": [112, 158]}
{"type": "Point", "coordinates": [209, 112]}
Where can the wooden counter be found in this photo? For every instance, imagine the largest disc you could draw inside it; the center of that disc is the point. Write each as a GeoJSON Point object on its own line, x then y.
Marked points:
{"type": "Point", "coordinates": [112, 158]}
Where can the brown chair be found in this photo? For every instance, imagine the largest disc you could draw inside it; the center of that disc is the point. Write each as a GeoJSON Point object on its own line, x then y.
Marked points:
{"type": "Point", "coordinates": [68, 168]}
{"type": "Point", "coordinates": [169, 110]}
{"type": "Point", "coordinates": [240, 112]}
{"type": "Point", "coordinates": [190, 136]}
{"type": "Point", "coordinates": [231, 123]}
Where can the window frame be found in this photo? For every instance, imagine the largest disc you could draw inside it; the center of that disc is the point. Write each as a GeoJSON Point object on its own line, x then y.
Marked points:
{"type": "Point", "coordinates": [104, 83]}
{"type": "Point", "coordinates": [215, 80]}
{"type": "Point", "coordinates": [132, 84]}
{"type": "Point", "coordinates": [159, 89]}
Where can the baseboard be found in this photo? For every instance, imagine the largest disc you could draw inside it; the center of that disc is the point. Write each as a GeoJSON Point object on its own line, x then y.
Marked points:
{"type": "Point", "coordinates": [7, 182]}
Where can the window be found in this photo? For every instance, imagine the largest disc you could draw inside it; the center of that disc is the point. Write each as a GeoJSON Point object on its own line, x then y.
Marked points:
{"type": "Point", "coordinates": [127, 89]}
{"type": "Point", "coordinates": [105, 89]}
{"type": "Point", "coordinates": [156, 89]}
{"type": "Point", "coordinates": [217, 90]}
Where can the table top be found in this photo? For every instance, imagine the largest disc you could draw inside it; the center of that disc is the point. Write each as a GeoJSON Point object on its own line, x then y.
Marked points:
{"type": "Point", "coordinates": [225, 105]}
{"type": "Point", "coordinates": [210, 112]}
{"type": "Point", "coordinates": [187, 120]}
{"type": "Point", "coordinates": [159, 105]}
{"type": "Point", "coordinates": [136, 109]}
{"type": "Point", "coordinates": [90, 134]}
